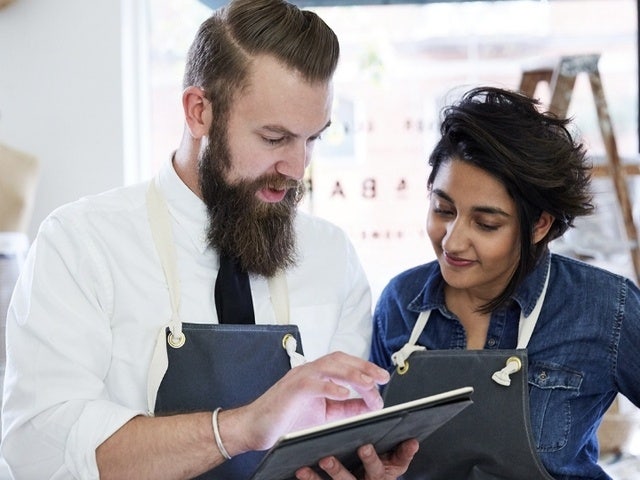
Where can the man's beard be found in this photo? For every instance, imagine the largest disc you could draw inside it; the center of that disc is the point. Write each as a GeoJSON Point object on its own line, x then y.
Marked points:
{"type": "Point", "coordinates": [260, 235]}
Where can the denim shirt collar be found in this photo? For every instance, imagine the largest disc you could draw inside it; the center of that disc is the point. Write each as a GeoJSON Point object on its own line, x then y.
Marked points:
{"type": "Point", "coordinates": [530, 290]}
{"type": "Point", "coordinates": [431, 297]}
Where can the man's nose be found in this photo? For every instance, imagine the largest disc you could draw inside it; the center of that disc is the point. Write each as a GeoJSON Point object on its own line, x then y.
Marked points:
{"type": "Point", "coordinates": [294, 162]}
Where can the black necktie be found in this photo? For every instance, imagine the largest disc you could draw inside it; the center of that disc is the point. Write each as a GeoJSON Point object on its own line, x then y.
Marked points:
{"type": "Point", "coordinates": [233, 293]}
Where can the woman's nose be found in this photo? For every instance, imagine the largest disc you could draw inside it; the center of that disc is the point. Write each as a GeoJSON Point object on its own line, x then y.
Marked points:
{"type": "Point", "coordinates": [455, 238]}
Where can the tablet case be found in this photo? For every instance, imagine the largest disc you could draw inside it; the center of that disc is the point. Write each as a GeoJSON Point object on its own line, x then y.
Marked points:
{"type": "Point", "coordinates": [384, 429]}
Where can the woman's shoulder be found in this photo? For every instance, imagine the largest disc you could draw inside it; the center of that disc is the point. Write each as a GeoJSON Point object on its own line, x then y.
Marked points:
{"type": "Point", "coordinates": [573, 275]}
{"type": "Point", "coordinates": [575, 270]}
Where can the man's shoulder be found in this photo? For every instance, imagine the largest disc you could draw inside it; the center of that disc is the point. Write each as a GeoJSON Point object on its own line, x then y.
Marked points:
{"type": "Point", "coordinates": [117, 206]}
{"type": "Point", "coordinates": [318, 229]}
{"type": "Point", "coordinates": [118, 198]}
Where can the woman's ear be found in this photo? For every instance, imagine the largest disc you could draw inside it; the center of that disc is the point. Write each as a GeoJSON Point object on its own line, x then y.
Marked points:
{"type": "Point", "coordinates": [197, 111]}
{"type": "Point", "coordinates": [542, 226]}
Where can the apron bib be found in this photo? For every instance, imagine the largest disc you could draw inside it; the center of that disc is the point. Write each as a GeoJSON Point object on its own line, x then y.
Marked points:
{"type": "Point", "coordinates": [492, 438]}
{"type": "Point", "coordinates": [199, 367]}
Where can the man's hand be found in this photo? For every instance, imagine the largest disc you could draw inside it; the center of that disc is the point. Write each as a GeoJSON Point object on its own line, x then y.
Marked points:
{"type": "Point", "coordinates": [308, 395]}
{"type": "Point", "coordinates": [387, 467]}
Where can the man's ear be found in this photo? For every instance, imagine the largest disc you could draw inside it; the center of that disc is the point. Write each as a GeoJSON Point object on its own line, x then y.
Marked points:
{"type": "Point", "coordinates": [197, 111]}
{"type": "Point", "coordinates": [542, 226]}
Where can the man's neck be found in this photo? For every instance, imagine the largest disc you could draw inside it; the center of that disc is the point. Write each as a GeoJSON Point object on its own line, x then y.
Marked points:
{"type": "Point", "coordinates": [185, 163]}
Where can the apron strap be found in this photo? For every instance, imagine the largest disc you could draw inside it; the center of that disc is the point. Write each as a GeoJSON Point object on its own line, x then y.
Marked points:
{"type": "Point", "coordinates": [162, 238]}
{"type": "Point", "coordinates": [528, 323]}
{"type": "Point", "coordinates": [525, 330]}
{"type": "Point", "coordinates": [162, 234]}
{"type": "Point", "coordinates": [400, 357]}
{"type": "Point", "coordinates": [279, 291]}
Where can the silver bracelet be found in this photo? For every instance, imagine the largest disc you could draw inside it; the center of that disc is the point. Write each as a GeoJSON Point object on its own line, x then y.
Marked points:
{"type": "Point", "coordinates": [216, 434]}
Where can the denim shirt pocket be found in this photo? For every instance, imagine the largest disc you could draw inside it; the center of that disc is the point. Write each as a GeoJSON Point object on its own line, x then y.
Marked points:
{"type": "Point", "coordinates": [551, 388]}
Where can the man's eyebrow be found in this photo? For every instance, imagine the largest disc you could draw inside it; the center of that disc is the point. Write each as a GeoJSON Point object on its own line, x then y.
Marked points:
{"type": "Point", "coordinates": [281, 130]}
{"type": "Point", "coordinates": [479, 208]}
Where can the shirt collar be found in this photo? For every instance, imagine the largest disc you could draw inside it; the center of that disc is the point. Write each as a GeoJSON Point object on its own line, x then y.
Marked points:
{"type": "Point", "coordinates": [528, 293]}
{"type": "Point", "coordinates": [185, 207]}
{"type": "Point", "coordinates": [431, 296]}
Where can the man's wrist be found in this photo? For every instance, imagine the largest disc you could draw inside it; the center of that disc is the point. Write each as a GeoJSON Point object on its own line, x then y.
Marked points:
{"type": "Point", "coordinates": [216, 434]}
{"type": "Point", "coordinates": [234, 433]}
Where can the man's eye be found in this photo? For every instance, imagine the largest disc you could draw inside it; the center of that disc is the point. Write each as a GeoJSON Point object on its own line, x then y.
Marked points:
{"type": "Point", "coordinates": [273, 141]}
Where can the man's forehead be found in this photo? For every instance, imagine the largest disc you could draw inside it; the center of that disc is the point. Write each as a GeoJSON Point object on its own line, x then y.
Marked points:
{"type": "Point", "coordinates": [280, 98]}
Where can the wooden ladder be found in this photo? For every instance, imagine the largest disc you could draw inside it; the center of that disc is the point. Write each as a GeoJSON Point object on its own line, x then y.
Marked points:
{"type": "Point", "coordinates": [561, 77]}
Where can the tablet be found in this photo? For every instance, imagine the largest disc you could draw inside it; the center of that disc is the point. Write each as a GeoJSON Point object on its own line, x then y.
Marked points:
{"type": "Point", "coordinates": [384, 429]}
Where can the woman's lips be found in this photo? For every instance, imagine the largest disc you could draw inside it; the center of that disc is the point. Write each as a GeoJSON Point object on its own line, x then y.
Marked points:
{"type": "Point", "coordinates": [457, 261]}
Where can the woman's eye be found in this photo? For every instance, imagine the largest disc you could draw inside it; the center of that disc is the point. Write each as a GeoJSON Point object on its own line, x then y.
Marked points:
{"type": "Point", "coordinates": [487, 227]}
{"type": "Point", "coordinates": [442, 211]}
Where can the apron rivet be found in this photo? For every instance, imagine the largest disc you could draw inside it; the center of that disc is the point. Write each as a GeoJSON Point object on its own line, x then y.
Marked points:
{"type": "Point", "coordinates": [176, 342]}
{"type": "Point", "coordinates": [516, 360]}
{"type": "Point", "coordinates": [502, 377]}
{"type": "Point", "coordinates": [285, 340]}
{"type": "Point", "coordinates": [402, 369]}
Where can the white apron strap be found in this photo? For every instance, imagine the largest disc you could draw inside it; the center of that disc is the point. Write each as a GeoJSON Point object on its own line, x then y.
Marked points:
{"type": "Point", "coordinates": [162, 233]}
{"type": "Point", "coordinates": [400, 357]}
{"type": "Point", "coordinates": [527, 324]}
{"type": "Point", "coordinates": [280, 297]}
{"type": "Point", "coordinates": [525, 330]}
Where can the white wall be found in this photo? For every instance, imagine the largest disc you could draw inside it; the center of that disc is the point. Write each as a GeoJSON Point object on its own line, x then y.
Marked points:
{"type": "Point", "coordinates": [61, 95]}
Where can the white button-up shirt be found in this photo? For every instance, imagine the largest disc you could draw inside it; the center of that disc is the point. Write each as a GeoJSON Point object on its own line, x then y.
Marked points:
{"type": "Point", "coordinates": [92, 298]}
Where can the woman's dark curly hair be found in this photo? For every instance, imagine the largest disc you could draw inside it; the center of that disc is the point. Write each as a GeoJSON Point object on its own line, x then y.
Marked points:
{"type": "Point", "coordinates": [531, 152]}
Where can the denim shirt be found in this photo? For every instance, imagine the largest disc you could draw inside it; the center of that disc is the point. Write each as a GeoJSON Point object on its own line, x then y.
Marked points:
{"type": "Point", "coordinates": [583, 351]}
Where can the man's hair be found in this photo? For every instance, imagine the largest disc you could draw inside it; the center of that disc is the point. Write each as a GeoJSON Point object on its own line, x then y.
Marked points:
{"type": "Point", "coordinates": [532, 153]}
{"type": "Point", "coordinates": [225, 44]}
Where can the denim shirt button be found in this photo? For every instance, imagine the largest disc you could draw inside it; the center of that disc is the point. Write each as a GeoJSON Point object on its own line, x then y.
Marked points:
{"type": "Point", "coordinates": [543, 376]}
{"type": "Point", "coordinates": [491, 342]}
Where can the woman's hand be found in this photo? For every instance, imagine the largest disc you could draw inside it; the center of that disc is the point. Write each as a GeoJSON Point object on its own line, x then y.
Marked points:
{"type": "Point", "coordinates": [386, 467]}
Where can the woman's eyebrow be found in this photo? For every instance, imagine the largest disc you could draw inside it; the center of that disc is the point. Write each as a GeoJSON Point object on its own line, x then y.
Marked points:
{"type": "Point", "coordinates": [442, 194]}
{"type": "Point", "coordinates": [479, 208]}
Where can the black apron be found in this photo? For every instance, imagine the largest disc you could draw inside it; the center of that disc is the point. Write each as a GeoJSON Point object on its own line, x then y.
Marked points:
{"type": "Point", "coordinates": [199, 367]}
{"type": "Point", "coordinates": [492, 438]}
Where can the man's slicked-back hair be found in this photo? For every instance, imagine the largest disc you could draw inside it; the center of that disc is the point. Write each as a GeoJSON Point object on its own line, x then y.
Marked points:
{"type": "Point", "coordinates": [225, 44]}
